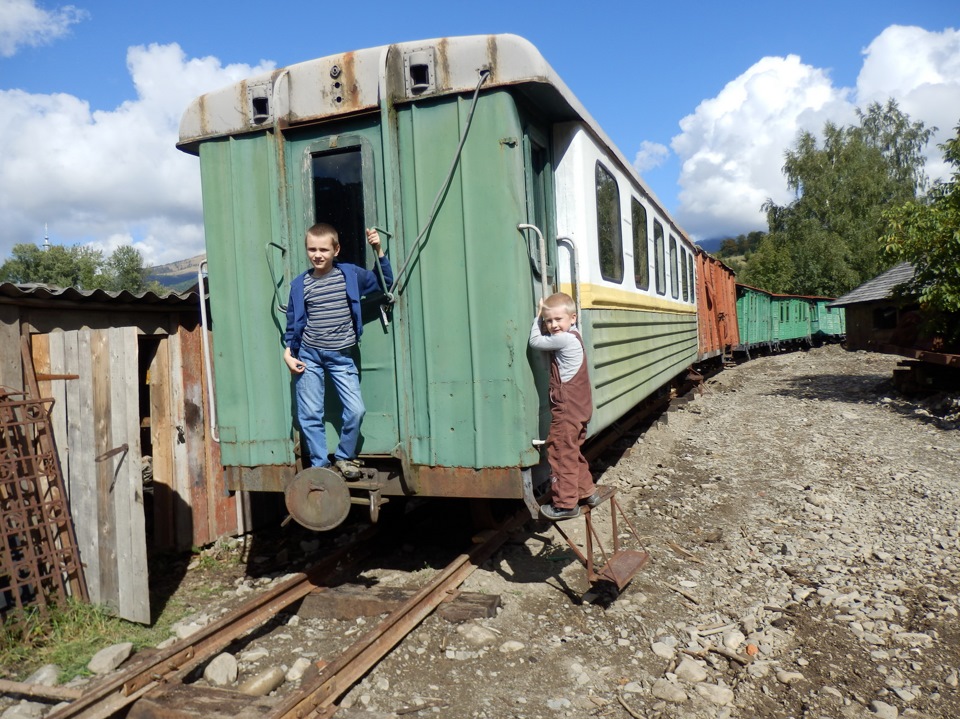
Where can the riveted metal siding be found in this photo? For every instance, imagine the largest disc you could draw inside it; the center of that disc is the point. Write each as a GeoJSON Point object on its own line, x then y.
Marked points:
{"type": "Point", "coordinates": [239, 182]}
{"type": "Point", "coordinates": [754, 317]}
{"type": "Point", "coordinates": [631, 354]}
{"type": "Point", "coordinates": [468, 301]}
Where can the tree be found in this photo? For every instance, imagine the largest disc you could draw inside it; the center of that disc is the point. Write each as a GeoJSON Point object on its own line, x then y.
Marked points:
{"type": "Point", "coordinates": [831, 230]}
{"type": "Point", "coordinates": [77, 266]}
{"type": "Point", "coordinates": [926, 233]}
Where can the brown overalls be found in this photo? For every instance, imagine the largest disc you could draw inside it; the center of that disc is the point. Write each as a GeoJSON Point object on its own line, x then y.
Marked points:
{"type": "Point", "coordinates": [571, 406]}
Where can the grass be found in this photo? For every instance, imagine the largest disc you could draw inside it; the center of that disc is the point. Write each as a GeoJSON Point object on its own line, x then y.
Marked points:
{"type": "Point", "coordinates": [73, 632]}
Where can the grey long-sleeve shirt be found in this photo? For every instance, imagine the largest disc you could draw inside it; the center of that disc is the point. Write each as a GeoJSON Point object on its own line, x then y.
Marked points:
{"type": "Point", "coordinates": [566, 345]}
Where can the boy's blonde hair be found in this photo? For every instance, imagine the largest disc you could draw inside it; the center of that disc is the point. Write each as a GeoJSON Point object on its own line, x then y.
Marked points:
{"type": "Point", "coordinates": [322, 229]}
{"type": "Point", "coordinates": [561, 300]}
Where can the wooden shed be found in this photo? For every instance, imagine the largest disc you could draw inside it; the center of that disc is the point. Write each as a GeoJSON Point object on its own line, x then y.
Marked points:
{"type": "Point", "coordinates": [876, 316]}
{"type": "Point", "coordinates": [130, 423]}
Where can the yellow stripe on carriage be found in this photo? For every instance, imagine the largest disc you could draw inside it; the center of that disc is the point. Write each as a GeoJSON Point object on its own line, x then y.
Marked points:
{"type": "Point", "coordinates": [599, 297]}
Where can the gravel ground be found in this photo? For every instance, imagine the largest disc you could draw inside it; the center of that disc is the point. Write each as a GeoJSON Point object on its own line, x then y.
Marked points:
{"type": "Point", "coordinates": [804, 527]}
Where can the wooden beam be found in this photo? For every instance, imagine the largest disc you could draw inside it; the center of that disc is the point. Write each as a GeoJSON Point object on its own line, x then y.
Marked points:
{"type": "Point", "coordinates": [350, 602]}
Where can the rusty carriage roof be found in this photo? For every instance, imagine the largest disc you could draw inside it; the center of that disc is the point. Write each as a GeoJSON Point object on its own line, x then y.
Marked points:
{"type": "Point", "coordinates": [355, 82]}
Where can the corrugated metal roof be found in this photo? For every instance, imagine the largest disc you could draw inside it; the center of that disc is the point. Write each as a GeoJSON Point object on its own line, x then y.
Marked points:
{"type": "Point", "coordinates": [37, 291]}
{"type": "Point", "coordinates": [879, 288]}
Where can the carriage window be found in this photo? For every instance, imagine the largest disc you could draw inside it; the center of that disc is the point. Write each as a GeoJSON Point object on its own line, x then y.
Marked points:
{"type": "Point", "coordinates": [338, 200]}
{"type": "Point", "coordinates": [658, 258]}
{"type": "Point", "coordinates": [641, 255]}
{"type": "Point", "coordinates": [609, 234]}
{"type": "Point", "coordinates": [684, 259]}
{"type": "Point", "coordinates": [692, 276]}
{"type": "Point", "coordinates": [674, 273]}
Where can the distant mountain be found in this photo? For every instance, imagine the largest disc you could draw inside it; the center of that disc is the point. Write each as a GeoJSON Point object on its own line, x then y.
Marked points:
{"type": "Point", "coordinates": [178, 276]}
{"type": "Point", "coordinates": [711, 245]}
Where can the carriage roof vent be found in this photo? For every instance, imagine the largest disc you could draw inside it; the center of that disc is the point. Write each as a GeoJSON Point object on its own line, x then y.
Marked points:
{"type": "Point", "coordinates": [259, 102]}
{"type": "Point", "coordinates": [418, 71]}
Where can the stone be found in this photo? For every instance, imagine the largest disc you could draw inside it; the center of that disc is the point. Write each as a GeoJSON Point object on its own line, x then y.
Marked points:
{"type": "Point", "coordinates": [511, 646]}
{"type": "Point", "coordinates": [715, 693]}
{"type": "Point", "coordinates": [48, 676]}
{"type": "Point", "coordinates": [25, 710]}
{"type": "Point", "coordinates": [884, 710]}
{"type": "Point", "coordinates": [263, 683]}
{"type": "Point", "coordinates": [690, 671]}
{"type": "Point", "coordinates": [109, 658]}
{"type": "Point", "coordinates": [295, 673]}
{"type": "Point", "coordinates": [662, 650]}
{"type": "Point", "coordinates": [222, 670]}
{"type": "Point", "coordinates": [668, 691]}
{"type": "Point", "coordinates": [253, 655]}
{"type": "Point", "coordinates": [733, 639]}
{"type": "Point", "coordinates": [476, 634]}
{"type": "Point", "coordinates": [785, 677]}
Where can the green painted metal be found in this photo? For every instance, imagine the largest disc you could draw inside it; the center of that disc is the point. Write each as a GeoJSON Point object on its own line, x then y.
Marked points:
{"type": "Point", "coordinates": [826, 322]}
{"type": "Point", "coordinates": [241, 217]}
{"type": "Point", "coordinates": [754, 316]}
{"type": "Point", "coordinates": [467, 304]}
{"type": "Point", "coordinates": [632, 354]}
{"type": "Point", "coordinates": [791, 318]}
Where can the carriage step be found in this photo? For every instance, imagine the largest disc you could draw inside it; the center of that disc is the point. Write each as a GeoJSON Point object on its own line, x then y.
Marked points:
{"type": "Point", "coordinates": [622, 566]}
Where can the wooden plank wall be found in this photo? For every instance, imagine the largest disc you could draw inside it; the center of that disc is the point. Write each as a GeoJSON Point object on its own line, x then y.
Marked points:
{"type": "Point", "coordinates": [11, 369]}
{"type": "Point", "coordinates": [94, 417]}
{"type": "Point", "coordinates": [188, 478]}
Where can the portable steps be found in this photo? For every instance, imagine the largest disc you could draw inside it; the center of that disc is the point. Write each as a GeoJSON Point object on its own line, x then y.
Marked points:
{"type": "Point", "coordinates": [620, 565]}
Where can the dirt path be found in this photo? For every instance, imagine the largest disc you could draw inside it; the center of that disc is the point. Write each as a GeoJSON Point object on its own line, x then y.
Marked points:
{"type": "Point", "coordinates": [821, 518]}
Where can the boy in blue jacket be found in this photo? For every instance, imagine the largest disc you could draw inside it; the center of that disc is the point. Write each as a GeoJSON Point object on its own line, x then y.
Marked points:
{"type": "Point", "coordinates": [323, 328]}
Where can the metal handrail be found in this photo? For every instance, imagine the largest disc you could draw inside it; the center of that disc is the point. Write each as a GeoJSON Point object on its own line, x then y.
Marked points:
{"type": "Point", "coordinates": [207, 365]}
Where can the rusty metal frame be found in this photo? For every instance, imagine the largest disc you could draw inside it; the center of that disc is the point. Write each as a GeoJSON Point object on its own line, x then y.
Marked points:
{"type": "Point", "coordinates": [619, 566]}
{"type": "Point", "coordinates": [39, 556]}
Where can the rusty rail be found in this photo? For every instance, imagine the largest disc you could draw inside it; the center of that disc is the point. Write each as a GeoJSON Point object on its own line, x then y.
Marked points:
{"type": "Point", "coordinates": [317, 701]}
{"type": "Point", "coordinates": [176, 662]}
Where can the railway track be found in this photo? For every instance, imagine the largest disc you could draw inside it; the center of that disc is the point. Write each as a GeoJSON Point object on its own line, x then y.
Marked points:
{"type": "Point", "coordinates": [155, 686]}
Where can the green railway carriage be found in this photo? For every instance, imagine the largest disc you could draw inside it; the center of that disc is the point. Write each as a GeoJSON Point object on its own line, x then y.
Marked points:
{"type": "Point", "coordinates": [827, 324]}
{"type": "Point", "coordinates": [754, 319]}
{"type": "Point", "coordinates": [790, 326]}
{"type": "Point", "coordinates": [491, 185]}
{"type": "Point", "coordinates": [774, 322]}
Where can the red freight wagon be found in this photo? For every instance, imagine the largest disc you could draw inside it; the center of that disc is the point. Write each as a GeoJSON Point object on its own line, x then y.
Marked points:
{"type": "Point", "coordinates": [716, 307]}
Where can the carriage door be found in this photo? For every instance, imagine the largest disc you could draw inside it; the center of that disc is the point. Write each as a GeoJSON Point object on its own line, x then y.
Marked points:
{"type": "Point", "coordinates": [339, 180]}
{"type": "Point", "coordinates": [540, 206]}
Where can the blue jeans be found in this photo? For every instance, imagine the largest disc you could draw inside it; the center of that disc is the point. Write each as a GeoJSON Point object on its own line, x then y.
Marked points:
{"type": "Point", "coordinates": [341, 368]}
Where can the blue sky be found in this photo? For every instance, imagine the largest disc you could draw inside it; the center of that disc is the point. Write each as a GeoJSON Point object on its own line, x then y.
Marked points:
{"type": "Point", "coordinates": [706, 95]}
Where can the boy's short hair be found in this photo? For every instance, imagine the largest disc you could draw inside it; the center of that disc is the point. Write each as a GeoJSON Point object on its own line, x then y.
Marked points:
{"type": "Point", "coordinates": [561, 300]}
{"type": "Point", "coordinates": [322, 229]}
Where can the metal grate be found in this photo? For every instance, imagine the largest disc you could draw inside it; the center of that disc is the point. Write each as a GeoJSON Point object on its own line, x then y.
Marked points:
{"type": "Point", "coordinates": [39, 559]}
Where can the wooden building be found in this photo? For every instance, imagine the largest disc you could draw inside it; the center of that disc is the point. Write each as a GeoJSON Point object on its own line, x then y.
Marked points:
{"type": "Point", "coordinates": [876, 316]}
{"type": "Point", "coordinates": [130, 423]}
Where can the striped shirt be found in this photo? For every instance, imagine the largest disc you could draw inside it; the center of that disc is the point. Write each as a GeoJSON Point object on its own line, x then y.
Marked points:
{"type": "Point", "coordinates": [329, 323]}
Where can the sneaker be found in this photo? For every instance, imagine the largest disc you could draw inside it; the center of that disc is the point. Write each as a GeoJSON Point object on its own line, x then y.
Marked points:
{"type": "Point", "coordinates": [593, 500]}
{"type": "Point", "coordinates": [555, 514]}
{"type": "Point", "coordinates": [349, 468]}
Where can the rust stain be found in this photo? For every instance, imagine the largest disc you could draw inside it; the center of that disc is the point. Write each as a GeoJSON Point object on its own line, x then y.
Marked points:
{"type": "Point", "coordinates": [442, 64]}
{"type": "Point", "coordinates": [349, 90]}
{"type": "Point", "coordinates": [492, 55]}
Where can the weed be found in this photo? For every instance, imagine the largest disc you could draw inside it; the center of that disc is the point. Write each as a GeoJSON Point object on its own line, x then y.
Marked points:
{"type": "Point", "coordinates": [69, 635]}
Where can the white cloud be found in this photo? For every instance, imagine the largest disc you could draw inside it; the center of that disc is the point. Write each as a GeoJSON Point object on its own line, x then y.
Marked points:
{"type": "Point", "coordinates": [650, 155]}
{"type": "Point", "coordinates": [921, 70]}
{"type": "Point", "coordinates": [96, 176]}
{"type": "Point", "coordinates": [23, 23]}
{"type": "Point", "coordinates": [732, 147]}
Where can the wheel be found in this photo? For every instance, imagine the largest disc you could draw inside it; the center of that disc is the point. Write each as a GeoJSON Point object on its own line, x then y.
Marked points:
{"type": "Point", "coordinates": [318, 498]}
